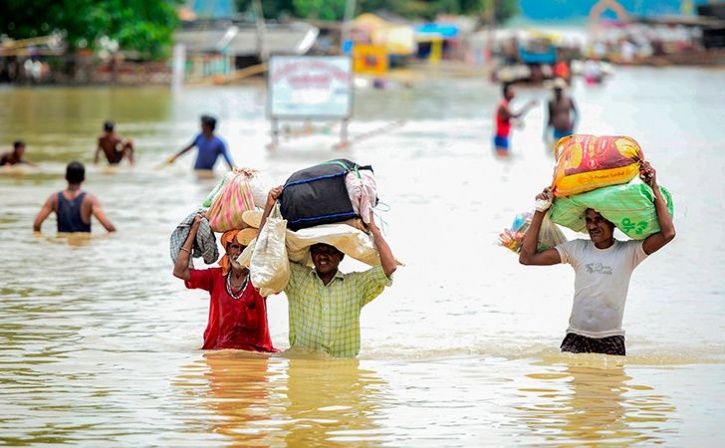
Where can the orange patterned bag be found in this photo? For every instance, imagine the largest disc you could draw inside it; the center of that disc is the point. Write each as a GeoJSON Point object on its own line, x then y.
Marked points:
{"type": "Point", "coordinates": [587, 162]}
{"type": "Point", "coordinates": [235, 198]}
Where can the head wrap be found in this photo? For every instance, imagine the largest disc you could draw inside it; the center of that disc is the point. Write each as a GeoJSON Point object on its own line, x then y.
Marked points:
{"type": "Point", "coordinates": [227, 237]}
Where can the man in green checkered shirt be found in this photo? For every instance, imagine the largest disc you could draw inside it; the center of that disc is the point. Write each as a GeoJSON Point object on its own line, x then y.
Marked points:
{"type": "Point", "coordinates": [325, 304]}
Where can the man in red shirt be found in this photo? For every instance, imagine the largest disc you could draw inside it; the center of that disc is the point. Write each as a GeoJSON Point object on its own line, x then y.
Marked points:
{"type": "Point", "coordinates": [237, 312]}
{"type": "Point", "coordinates": [504, 115]}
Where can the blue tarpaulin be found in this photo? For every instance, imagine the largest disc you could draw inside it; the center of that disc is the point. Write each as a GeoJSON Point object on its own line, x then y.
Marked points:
{"type": "Point", "coordinates": [543, 57]}
{"type": "Point", "coordinates": [445, 31]}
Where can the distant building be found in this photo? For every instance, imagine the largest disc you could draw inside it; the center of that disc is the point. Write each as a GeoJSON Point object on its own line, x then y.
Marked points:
{"type": "Point", "coordinates": [212, 9]}
{"type": "Point", "coordinates": [577, 10]}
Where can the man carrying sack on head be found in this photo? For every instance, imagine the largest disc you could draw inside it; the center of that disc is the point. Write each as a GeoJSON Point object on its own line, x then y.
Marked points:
{"type": "Point", "coordinates": [325, 304]}
{"type": "Point", "coordinates": [237, 312]}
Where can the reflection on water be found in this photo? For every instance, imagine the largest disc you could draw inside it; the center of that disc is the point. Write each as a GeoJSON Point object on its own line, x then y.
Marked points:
{"type": "Point", "coordinates": [99, 343]}
{"type": "Point", "coordinates": [259, 401]}
{"type": "Point", "coordinates": [591, 400]}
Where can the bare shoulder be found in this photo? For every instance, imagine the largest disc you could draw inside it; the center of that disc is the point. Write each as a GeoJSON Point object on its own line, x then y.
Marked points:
{"type": "Point", "coordinates": [91, 199]}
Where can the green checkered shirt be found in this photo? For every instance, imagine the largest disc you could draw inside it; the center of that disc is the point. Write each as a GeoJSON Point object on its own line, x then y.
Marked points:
{"type": "Point", "coordinates": [327, 317]}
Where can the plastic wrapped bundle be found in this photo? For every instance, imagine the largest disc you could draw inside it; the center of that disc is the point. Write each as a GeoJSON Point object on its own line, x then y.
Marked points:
{"type": "Point", "coordinates": [630, 207]}
{"type": "Point", "coordinates": [259, 185]}
{"type": "Point", "coordinates": [232, 201]}
{"type": "Point", "coordinates": [218, 189]}
{"type": "Point", "coordinates": [549, 235]}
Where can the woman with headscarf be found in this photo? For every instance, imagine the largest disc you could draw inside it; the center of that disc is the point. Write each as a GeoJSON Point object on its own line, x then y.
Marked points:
{"type": "Point", "coordinates": [237, 312]}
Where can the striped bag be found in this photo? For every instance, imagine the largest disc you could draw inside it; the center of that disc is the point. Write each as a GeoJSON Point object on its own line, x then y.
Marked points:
{"type": "Point", "coordinates": [226, 211]}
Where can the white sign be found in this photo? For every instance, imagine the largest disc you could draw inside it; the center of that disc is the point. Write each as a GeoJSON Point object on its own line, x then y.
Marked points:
{"type": "Point", "coordinates": [310, 87]}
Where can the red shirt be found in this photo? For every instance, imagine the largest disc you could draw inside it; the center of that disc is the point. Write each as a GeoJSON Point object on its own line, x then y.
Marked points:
{"type": "Point", "coordinates": [233, 323]}
{"type": "Point", "coordinates": [503, 125]}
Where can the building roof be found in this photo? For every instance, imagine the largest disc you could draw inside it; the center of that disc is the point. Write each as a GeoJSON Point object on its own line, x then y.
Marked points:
{"type": "Point", "coordinates": [241, 38]}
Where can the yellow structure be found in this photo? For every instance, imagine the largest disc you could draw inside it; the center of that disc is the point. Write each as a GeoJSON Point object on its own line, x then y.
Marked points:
{"type": "Point", "coordinates": [369, 59]}
{"type": "Point", "coordinates": [396, 38]}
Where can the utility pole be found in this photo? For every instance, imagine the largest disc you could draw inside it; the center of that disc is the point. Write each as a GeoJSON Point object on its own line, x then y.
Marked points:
{"type": "Point", "coordinates": [490, 6]}
{"type": "Point", "coordinates": [261, 31]}
{"type": "Point", "coordinates": [347, 19]}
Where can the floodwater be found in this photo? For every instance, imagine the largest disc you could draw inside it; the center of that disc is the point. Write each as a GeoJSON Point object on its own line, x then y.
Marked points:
{"type": "Point", "coordinates": [99, 344]}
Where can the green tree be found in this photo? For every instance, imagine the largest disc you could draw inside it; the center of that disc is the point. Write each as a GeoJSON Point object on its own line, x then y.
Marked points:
{"type": "Point", "coordinates": [143, 26]}
{"type": "Point", "coordinates": [411, 9]}
{"type": "Point", "coordinates": [320, 9]}
{"type": "Point", "coordinates": [271, 9]}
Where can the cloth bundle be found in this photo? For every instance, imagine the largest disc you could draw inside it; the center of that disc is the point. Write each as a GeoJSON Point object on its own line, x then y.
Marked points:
{"type": "Point", "coordinates": [204, 244]}
{"type": "Point", "coordinates": [347, 239]}
{"type": "Point", "coordinates": [268, 257]}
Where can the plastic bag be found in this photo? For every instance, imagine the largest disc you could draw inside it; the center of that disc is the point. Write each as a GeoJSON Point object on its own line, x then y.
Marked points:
{"type": "Point", "coordinates": [550, 235]}
{"type": "Point", "coordinates": [587, 162]}
{"type": "Point", "coordinates": [234, 199]}
{"type": "Point", "coordinates": [630, 207]}
{"type": "Point", "coordinates": [270, 269]}
{"type": "Point", "coordinates": [363, 192]}
{"type": "Point", "coordinates": [218, 189]}
{"type": "Point", "coordinates": [259, 185]}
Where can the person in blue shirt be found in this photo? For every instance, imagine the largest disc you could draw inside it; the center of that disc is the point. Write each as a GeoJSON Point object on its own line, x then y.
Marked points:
{"type": "Point", "coordinates": [210, 147]}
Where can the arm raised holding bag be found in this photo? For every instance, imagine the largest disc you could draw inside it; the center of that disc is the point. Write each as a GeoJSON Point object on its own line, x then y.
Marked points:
{"type": "Point", "coordinates": [324, 294]}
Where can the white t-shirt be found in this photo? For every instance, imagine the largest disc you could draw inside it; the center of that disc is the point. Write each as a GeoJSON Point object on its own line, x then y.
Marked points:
{"type": "Point", "coordinates": [600, 285]}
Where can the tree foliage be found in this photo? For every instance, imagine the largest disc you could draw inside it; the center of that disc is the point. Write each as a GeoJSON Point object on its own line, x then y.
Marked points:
{"type": "Point", "coordinates": [410, 9]}
{"type": "Point", "coordinates": [145, 26]}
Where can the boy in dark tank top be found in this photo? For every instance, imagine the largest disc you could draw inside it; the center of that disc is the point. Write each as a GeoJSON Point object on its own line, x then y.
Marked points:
{"type": "Point", "coordinates": [72, 206]}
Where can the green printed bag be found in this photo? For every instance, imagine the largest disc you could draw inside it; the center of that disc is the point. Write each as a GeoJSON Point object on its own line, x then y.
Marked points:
{"type": "Point", "coordinates": [629, 206]}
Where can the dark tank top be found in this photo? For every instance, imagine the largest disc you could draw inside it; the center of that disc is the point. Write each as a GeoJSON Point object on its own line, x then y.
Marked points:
{"type": "Point", "coordinates": [69, 214]}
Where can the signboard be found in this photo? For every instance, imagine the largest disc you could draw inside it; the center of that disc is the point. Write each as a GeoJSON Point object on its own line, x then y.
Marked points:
{"type": "Point", "coordinates": [310, 87]}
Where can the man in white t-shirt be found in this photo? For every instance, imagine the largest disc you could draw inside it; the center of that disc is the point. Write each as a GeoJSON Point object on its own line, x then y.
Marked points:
{"type": "Point", "coordinates": [603, 268]}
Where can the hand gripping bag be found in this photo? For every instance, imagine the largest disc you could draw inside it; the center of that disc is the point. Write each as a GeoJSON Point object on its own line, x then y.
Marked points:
{"type": "Point", "coordinates": [269, 269]}
{"type": "Point", "coordinates": [587, 162]}
{"type": "Point", "coordinates": [550, 235]}
{"type": "Point", "coordinates": [630, 207]}
{"type": "Point", "coordinates": [234, 199]}
{"type": "Point", "coordinates": [318, 195]}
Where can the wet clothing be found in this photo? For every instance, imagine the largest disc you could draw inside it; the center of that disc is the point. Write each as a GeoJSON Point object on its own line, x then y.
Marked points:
{"type": "Point", "coordinates": [503, 125]}
{"type": "Point", "coordinates": [612, 345]}
{"type": "Point", "coordinates": [233, 323]}
{"type": "Point", "coordinates": [209, 152]}
{"type": "Point", "coordinates": [561, 134]}
{"type": "Point", "coordinates": [68, 214]}
{"type": "Point", "coordinates": [501, 142]}
{"type": "Point", "coordinates": [327, 317]}
{"type": "Point", "coordinates": [600, 285]}
{"type": "Point", "coordinates": [114, 157]}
